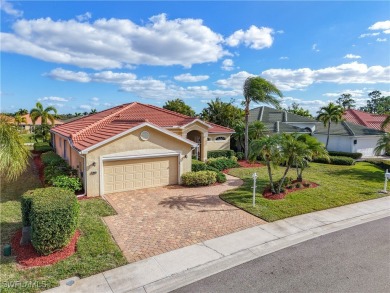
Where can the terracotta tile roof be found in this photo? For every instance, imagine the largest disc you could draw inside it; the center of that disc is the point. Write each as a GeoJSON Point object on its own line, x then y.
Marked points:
{"type": "Point", "coordinates": [39, 121]}
{"type": "Point", "coordinates": [365, 119]}
{"type": "Point", "coordinates": [92, 129]}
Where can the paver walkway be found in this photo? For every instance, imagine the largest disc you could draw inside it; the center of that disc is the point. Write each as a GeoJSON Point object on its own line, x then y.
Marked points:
{"type": "Point", "coordinates": [157, 220]}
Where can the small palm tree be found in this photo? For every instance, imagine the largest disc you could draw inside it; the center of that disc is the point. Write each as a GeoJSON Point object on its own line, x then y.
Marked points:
{"type": "Point", "coordinates": [13, 154]}
{"type": "Point", "coordinates": [239, 135]}
{"type": "Point", "coordinates": [328, 114]}
{"type": "Point", "coordinates": [268, 149]}
{"type": "Point", "coordinates": [39, 111]}
{"type": "Point", "coordinates": [93, 111]}
{"type": "Point", "coordinates": [257, 129]}
{"type": "Point", "coordinates": [19, 119]}
{"type": "Point", "coordinates": [383, 144]}
{"type": "Point", "coordinates": [258, 90]}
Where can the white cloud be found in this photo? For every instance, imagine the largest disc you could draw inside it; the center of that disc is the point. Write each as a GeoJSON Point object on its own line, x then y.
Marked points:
{"type": "Point", "coordinates": [227, 64]}
{"type": "Point", "coordinates": [67, 75]}
{"type": "Point", "coordinates": [290, 79]}
{"type": "Point", "coordinates": [85, 107]}
{"type": "Point", "coordinates": [115, 43]}
{"type": "Point", "coordinates": [283, 58]}
{"type": "Point", "coordinates": [254, 38]}
{"type": "Point", "coordinates": [353, 93]}
{"type": "Point", "coordinates": [9, 9]}
{"type": "Point", "coordinates": [84, 17]}
{"type": "Point", "coordinates": [380, 25]}
{"type": "Point", "coordinates": [187, 77]}
{"type": "Point", "coordinates": [314, 47]}
{"type": "Point", "coordinates": [234, 81]}
{"type": "Point", "coordinates": [352, 56]}
{"type": "Point", "coordinates": [381, 40]}
{"type": "Point", "coordinates": [386, 32]}
{"type": "Point", "coordinates": [57, 99]}
{"type": "Point", "coordinates": [368, 35]}
{"type": "Point", "coordinates": [95, 99]}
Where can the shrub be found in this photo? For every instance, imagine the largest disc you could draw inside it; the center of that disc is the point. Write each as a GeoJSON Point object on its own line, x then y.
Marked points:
{"type": "Point", "coordinates": [53, 216]}
{"type": "Point", "coordinates": [222, 163]}
{"type": "Point", "coordinates": [240, 155]}
{"type": "Point", "coordinates": [201, 178]}
{"type": "Point", "coordinates": [51, 158]}
{"type": "Point", "coordinates": [306, 184]}
{"type": "Point", "coordinates": [42, 147]}
{"type": "Point", "coordinates": [346, 154]}
{"type": "Point", "coordinates": [287, 181]}
{"type": "Point", "coordinates": [198, 166]}
{"type": "Point", "coordinates": [52, 171]}
{"type": "Point", "coordinates": [334, 160]}
{"type": "Point", "coordinates": [25, 204]}
{"type": "Point", "coordinates": [298, 185]}
{"type": "Point", "coordinates": [384, 165]}
{"type": "Point", "coordinates": [221, 178]}
{"type": "Point", "coordinates": [220, 153]}
{"type": "Point", "coordinates": [289, 186]}
{"type": "Point", "coordinates": [66, 182]}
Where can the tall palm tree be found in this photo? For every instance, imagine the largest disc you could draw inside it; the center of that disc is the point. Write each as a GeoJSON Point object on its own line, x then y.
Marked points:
{"type": "Point", "coordinates": [13, 154]}
{"type": "Point", "coordinates": [256, 130]}
{"type": "Point", "coordinates": [39, 111]}
{"type": "Point", "coordinates": [383, 144]}
{"type": "Point", "coordinates": [258, 90]}
{"type": "Point", "coordinates": [328, 114]}
{"type": "Point", "coordinates": [268, 149]}
{"type": "Point", "coordinates": [20, 119]}
{"type": "Point", "coordinates": [239, 135]}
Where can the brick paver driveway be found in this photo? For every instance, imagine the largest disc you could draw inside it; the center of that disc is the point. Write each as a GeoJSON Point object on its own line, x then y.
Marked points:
{"type": "Point", "coordinates": [156, 220]}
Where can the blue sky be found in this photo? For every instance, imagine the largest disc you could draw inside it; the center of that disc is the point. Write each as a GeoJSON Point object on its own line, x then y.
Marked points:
{"type": "Point", "coordinates": [83, 55]}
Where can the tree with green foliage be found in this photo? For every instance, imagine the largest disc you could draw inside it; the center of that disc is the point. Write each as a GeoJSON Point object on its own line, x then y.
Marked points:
{"type": "Point", "coordinates": [377, 104]}
{"type": "Point", "coordinates": [45, 114]}
{"type": "Point", "coordinates": [179, 106]}
{"type": "Point", "coordinates": [21, 112]}
{"type": "Point", "coordinates": [93, 111]}
{"type": "Point", "coordinates": [267, 148]}
{"type": "Point", "coordinates": [296, 109]}
{"type": "Point", "coordinates": [383, 144]}
{"type": "Point", "coordinates": [222, 113]}
{"type": "Point", "coordinates": [42, 132]}
{"type": "Point", "coordinates": [257, 129]}
{"type": "Point", "coordinates": [239, 135]}
{"type": "Point", "coordinates": [346, 101]}
{"type": "Point", "coordinates": [20, 119]}
{"type": "Point", "coordinates": [328, 114]}
{"type": "Point", "coordinates": [13, 154]}
{"type": "Point", "coordinates": [258, 90]}
{"type": "Point", "coordinates": [386, 122]}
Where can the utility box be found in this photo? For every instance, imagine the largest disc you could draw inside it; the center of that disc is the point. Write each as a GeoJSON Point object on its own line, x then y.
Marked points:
{"type": "Point", "coordinates": [7, 250]}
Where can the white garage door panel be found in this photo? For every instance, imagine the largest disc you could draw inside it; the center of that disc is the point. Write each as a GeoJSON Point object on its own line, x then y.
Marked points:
{"type": "Point", "coordinates": [126, 175]}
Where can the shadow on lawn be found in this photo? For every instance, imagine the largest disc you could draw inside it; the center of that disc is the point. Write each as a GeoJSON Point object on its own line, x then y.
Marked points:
{"type": "Point", "coordinates": [8, 230]}
{"type": "Point", "coordinates": [377, 176]}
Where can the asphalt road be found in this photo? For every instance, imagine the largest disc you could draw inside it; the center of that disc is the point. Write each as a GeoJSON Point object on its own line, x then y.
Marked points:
{"type": "Point", "coordinates": [354, 260]}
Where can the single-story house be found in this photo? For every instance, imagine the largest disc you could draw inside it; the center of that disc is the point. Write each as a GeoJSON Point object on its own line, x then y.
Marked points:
{"type": "Point", "coordinates": [344, 136]}
{"type": "Point", "coordinates": [29, 125]}
{"type": "Point", "coordinates": [134, 146]}
{"type": "Point", "coordinates": [366, 119]}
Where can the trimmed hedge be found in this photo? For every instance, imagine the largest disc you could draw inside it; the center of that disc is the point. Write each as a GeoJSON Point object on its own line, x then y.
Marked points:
{"type": "Point", "coordinates": [25, 202]}
{"type": "Point", "coordinates": [198, 166]}
{"type": "Point", "coordinates": [336, 160]}
{"type": "Point", "coordinates": [53, 216]}
{"type": "Point", "coordinates": [220, 153]}
{"type": "Point", "coordinates": [221, 178]}
{"type": "Point", "coordinates": [346, 154]}
{"type": "Point", "coordinates": [55, 166]}
{"type": "Point", "coordinates": [222, 163]}
{"type": "Point", "coordinates": [51, 158]}
{"type": "Point", "coordinates": [42, 147]}
{"type": "Point", "coordinates": [384, 165]}
{"type": "Point", "coordinates": [201, 178]}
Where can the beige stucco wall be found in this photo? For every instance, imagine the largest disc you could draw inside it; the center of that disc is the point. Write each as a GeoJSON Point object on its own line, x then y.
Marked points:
{"type": "Point", "coordinates": [213, 145]}
{"type": "Point", "coordinates": [132, 142]}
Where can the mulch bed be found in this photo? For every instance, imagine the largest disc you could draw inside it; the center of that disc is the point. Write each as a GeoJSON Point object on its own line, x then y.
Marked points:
{"type": "Point", "coordinates": [267, 193]}
{"type": "Point", "coordinates": [245, 164]}
{"type": "Point", "coordinates": [28, 257]}
{"type": "Point", "coordinates": [39, 166]}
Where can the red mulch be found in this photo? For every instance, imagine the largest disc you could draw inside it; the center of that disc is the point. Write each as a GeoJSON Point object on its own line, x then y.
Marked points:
{"type": "Point", "coordinates": [245, 164]}
{"type": "Point", "coordinates": [39, 165]}
{"type": "Point", "coordinates": [28, 257]}
{"type": "Point", "coordinates": [267, 193]}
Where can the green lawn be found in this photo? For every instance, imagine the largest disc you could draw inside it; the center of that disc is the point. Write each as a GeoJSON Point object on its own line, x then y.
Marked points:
{"type": "Point", "coordinates": [27, 137]}
{"type": "Point", "coordinates": [339, 185]}
{"type": "Point", "coordinates": [96, 250]}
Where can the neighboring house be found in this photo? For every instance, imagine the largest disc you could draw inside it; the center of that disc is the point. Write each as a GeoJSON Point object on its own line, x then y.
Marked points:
{"type": "Point", "coordinates": [344, 136]}
{"type": "Point", "coordinates": [29, 125]}
{"type": "Point", "coordinates": [365, 119]}
{"type": "Point", "coordinates": [135, 146]}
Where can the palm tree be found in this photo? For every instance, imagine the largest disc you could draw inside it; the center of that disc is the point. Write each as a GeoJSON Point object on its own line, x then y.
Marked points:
{"type": "Point", "coordinates": [383, 144]}
{"type": "Point", "coordinates": [256, 130]}
{"type": "Point", "coordinates": [258, 90]}
{"type": "Point", "coordinates": [328, 114]}
{"type": "Point", "coordinates": [268, 149]}
{"type": "Point", "coordinates": [13, 154]}
{"type": "Point", "coordinates": [19, 119]}
{"type": "Point", "coordinates": [239, 135]}
{"type": "Point", "coordinates": [315, 149]}
{"type": "Point", "coordinates": [37, 112]}
{"type": "Point", "coordinates": [22, 112]}
{"type": "Point", "coordinates": [386, 122]}
{"type": "Point", "coordinates": [93, 111]}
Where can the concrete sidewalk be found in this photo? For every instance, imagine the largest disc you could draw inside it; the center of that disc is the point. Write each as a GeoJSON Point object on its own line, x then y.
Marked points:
{"type": "Point", "coordinates": [177, 268]}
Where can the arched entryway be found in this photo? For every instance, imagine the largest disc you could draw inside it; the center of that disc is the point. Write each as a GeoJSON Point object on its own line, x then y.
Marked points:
{"type": "Point", "coordinates": [196, 136]}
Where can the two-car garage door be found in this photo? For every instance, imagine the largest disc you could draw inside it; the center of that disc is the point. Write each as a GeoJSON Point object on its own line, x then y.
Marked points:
{"type": "Point", "coordinates": [124, 175]}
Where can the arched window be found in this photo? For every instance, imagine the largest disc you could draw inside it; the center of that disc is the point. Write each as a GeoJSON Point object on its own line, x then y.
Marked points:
{"type": "Point", "coordinates": [220, 138]}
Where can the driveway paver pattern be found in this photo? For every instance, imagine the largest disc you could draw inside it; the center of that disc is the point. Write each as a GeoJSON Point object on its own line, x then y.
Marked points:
{"type": "Point", "coordinates": [157, 220]}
